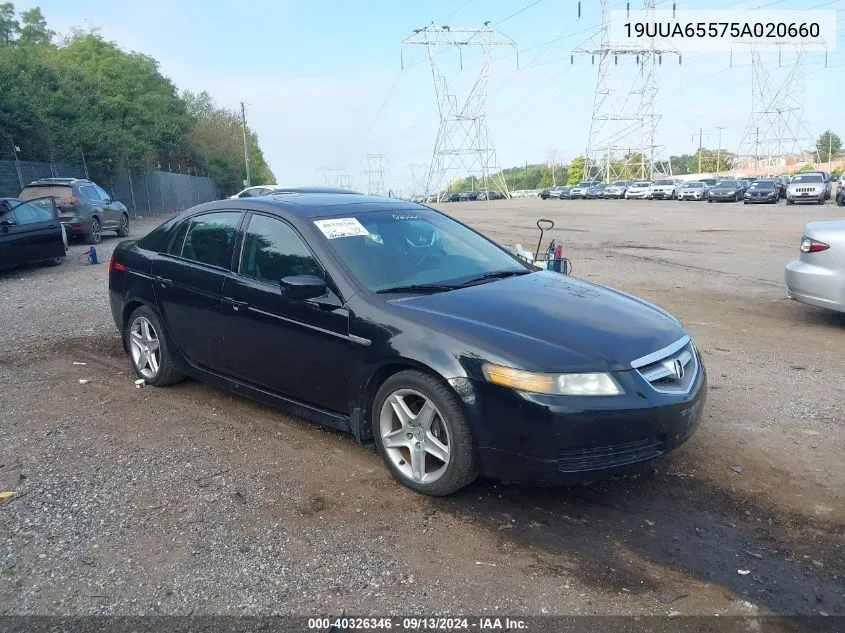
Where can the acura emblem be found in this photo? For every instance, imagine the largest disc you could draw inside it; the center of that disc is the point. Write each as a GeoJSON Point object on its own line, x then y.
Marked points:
{"type": "Point", "coordinates": [678, 369]}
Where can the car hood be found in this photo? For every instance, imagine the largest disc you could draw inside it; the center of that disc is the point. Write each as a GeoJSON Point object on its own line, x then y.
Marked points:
{"type": "Point", "coordinates": [724, 189]}
{"type": "Point", "coordinates": [546, 321]}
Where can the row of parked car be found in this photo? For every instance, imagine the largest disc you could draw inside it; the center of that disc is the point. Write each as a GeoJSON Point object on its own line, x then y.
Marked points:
{"type": "Point", "coordinates": [807, 186]}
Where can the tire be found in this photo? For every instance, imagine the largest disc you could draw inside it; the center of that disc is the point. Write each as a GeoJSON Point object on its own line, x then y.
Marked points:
{"type": "Point", "coordinates": [123, 229]}
{"type": "Point", "coordinates": [56, 261]}
{"type": "Point", "coordinates": [165, 372]}
{"type": "Point", "coordinates": [745, 202]}
{"type": "Point", "coordinates": [418, 390]}
{"type": "Point", "coordinates": [95, 234]}
{"type": "Point", "coordinates": [788, 202]}
{"type": "Point", "coordinates": [709, 199]}
{"type": "Point", "coordinates": [840, 201]}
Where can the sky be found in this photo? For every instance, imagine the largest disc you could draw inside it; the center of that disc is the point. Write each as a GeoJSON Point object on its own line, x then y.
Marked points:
{"type": "Point", "coordinates": [324, 85]}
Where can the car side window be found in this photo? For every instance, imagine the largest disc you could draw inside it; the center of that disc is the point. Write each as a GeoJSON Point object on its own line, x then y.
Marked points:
{"type": "Point", "coordinates": [89, 192]}
{"type": "Point", "coordinates": [211, 238]}
{"type": "Point", "coordinates": [272, 250]}
{"type": "Point", "coordinates": [178, 239]}
{"type": "Point", "coordinates": [28, 213]}
{"type": "Point", "coordinates": [102, 193]}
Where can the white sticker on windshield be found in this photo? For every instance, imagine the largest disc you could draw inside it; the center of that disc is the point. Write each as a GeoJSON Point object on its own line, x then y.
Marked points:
{"type": "Point", "coordinates": [341, 227]}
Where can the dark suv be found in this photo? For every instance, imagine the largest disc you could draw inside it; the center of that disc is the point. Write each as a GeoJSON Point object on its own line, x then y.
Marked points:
{"type": "Point", "coordinates": [85, 209]}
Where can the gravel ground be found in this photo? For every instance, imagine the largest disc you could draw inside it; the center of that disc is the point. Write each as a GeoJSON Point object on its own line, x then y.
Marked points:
{"type": "Point", "coordinates": [191, 500]}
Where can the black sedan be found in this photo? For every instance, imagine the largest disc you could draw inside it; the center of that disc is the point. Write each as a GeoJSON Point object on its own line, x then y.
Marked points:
{"type": "Point", "coordinates": [726, 190]}
{"type": "Point", "coordinates": [762, 191]}
{"type": "Point", "coordinates": [30, 232]}
{"type": "Point", "coordinates": [406, 328]}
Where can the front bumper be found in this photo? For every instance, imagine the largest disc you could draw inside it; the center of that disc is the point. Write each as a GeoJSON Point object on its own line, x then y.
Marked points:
{"type": "Point", "coordinates": [555, 440]}
{"type": "Point", "coordinates": [691, 196]}
{"type": "Point", "coordinates": [761, 199]}
{"type": "Point", "coordinates": [661, 195]}
{"type": "Point", "coordinates": [819, 286]}
{"type": "Point", "coordinates": [818, 196]}
{"type": "Point", "coordinates": [722, 197]}
{"type": "Point", "coordinates": [635, 194]}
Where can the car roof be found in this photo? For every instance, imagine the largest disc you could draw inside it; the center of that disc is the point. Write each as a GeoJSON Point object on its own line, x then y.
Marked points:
{"type": "Point", "coordinates": [317, 205]}
{"type": "Point", "coordinates": [57, 181]}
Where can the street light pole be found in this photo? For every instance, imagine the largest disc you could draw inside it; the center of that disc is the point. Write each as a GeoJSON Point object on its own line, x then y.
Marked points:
{"type": "Point", "coordinates": [246, 150]}
{"type": "Point", "coordinates": [719, 151]}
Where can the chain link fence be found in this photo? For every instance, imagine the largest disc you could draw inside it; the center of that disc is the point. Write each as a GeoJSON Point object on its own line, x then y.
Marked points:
{"type": "Point", "coordinates": [142, 191]}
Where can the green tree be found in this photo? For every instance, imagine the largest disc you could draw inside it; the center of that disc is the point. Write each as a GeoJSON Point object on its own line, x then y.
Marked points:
{"type": "Point", "coordinates": [681, 164]}
{"type": "Point", "coordinates": [712, 161]}
{"type": "Point", "coordinates": [828, 146]}
{"type": "Point", "coordinates": [33, 30]}
{"type": "Point", "coordinates": [9, 26]}
{"type": "Point", "coordinates": [576, 170]}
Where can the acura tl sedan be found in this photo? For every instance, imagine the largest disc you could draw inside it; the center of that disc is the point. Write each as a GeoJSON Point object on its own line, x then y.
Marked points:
{"type": "Point", "coordinates": [817, 277]}
{"type": "Point", "coordinates": [396, 323]}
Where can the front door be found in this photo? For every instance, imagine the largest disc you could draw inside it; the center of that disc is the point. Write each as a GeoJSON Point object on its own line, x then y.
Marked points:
{"type": "Point", "coordinates": [188, 280]}
{"type": "Point", "coordinates": [30, 232]}
{"type": "Point", "coordinates": [297, 348]}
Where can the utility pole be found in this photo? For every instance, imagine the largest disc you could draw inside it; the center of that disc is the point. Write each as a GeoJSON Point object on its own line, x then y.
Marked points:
{"type": "Point", "coordinates": [719, 151]}
{"type": "Point", "coordinates": [757, 150]}
{"type": "Point", "coordinates": [700, 136]}
{"type": "Point", "coordinates": [829, 150]}
{"type": "Point", "coordinates": [246, 149]}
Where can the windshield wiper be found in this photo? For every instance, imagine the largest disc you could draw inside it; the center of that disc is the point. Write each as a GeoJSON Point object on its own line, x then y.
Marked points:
{"type": "Point", "coordinates": [497, 274]}
{"type": "Point", "coordinates": [419, 288]}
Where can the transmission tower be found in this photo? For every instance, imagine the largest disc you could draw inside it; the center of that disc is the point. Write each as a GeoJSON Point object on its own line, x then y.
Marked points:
{"type": "Point", "coordinates": [776, 127]}
{"type": "Point", "coordinates": [373, 167]}
{"type": "Point", "coordinates": [330, 173]}
{"type": "Point", "coordinates": [343, 181]}
{"type": "Point", "coordinates": [621, 141]}
{"type": "Point", "coordinates": [418, 173]}
{"type": "Point", "coordinates": [462, 147]}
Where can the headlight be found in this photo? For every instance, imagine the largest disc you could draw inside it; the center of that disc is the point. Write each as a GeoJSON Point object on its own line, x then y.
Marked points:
{"type": "Point", "coordinates": [592, 384]}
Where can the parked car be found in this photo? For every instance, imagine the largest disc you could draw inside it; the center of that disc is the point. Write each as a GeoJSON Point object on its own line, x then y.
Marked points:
{"type": "Point", "coordinates": [565, 193]}
{"type": "Point", "coordinates": [725, 190]}
{"type": "Point", "coordinates": [402, 326]}
{"type": "Point", "coordinates": [580, 190]}
{"type": "Point", "coordinates": [744, 183]}
{"type": "Point", "coordinates": [695, 190]}
{"type": "Point", "coordinates": [595, 191]}
{"type": "Point", "coordinates": [826, 178]}
{"type": "Point", "coordinates": [617, 189]}
{"type": "Point", "coordinates": [807, 187]}
{"type": "Point", "coordinates": [762, 191]}
{"type": "Point", "coordinates": [451, 197]}
{"type": "Point", "coordinates": [840, 192]}
{"type": "Point", "coordinates": [638, 189]}
{"type": "Point", "coordinates": [30, 232]}
{"type": "Point", "coordinates": [467, 196]}
{"type": "Point", "coordinates": [666, 188]}
{"type": "Point", "coordinates": [781, 184]}
{"type": "Point", "coordinates": [85, 209]}
{"type": "Point", "coordinates": [555, 192]}
{"type": "Point", "coordinates": [817, 277]}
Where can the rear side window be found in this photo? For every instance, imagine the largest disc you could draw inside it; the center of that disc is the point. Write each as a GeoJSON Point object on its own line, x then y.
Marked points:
{"type": "Point", "coordinates": [211, 238]}
{"type": "Point", "coordinates": [62, 193]}
{"type": "Point", "coordinates": [89, 192]}
{"type": "Point", "coordinates": [178, 239]}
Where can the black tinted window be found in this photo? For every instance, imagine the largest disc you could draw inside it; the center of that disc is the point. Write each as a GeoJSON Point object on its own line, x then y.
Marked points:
{"type": "Point", "coordinates": [178, 239]}
{"type": "Point", "coordinates": [211, 238]}
{"type": "Point", "coordinates": [273, 250]}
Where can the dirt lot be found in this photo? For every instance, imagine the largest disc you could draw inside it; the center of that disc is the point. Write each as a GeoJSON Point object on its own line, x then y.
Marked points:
{"type": "Point", "coordinates": [190, 500]}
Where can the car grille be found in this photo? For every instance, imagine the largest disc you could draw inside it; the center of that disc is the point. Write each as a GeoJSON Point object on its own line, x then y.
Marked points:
{"type": "Point", "coordinates": [611, 456]}
{"type": "Point", "coordinates": [672, 369]}
{"type": "Point", "coordinates": [805, 190]}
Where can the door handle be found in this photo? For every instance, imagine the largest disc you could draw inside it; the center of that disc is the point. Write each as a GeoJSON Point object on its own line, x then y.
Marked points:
{"type": "Point", "coordinates": [165, 283]}
{"type": "Point", "coordinates": [237, 305]}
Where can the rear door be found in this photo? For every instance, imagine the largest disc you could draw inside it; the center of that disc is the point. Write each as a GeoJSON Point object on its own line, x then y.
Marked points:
{"type": "Point", "coordinates": [92, 196]}
{"type": "Point", "coordinates": [115, 208]}
{"type": "Point", "coordinates": [188, 280]}
{"type": "Point", "coordinates": [30, 232]}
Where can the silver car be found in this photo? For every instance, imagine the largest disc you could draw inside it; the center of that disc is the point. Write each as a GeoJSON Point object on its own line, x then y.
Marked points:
{"type": "Point", "coordinates": [693, 191]}
{"type": "Point", "coordinates": [817, 277]}
{"type": "Point", "coordinates": [807, 187]}
{"type": "Point", "coordinates": [580, 190]}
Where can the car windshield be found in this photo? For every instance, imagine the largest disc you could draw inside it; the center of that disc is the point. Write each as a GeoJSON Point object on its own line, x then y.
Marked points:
{"type": "Point", "coordinates": [763, 184]}
{"type": "Point", "coordinates": [664, 182]}
{"type": "Point", "coordinates": [393, 249]}
{"type": "Point", "coordinates": [642, 183]}
{"type": "Point", "coordinates": [694, 185]}
{"type": "Point", "coordinates": [807, 178]}
{"type": "Point", "coordinates": [620, 183]}
{"type": "Point", "coordinates": [729, 184]}
{"type": "Point", "coordinates": [585, 184]}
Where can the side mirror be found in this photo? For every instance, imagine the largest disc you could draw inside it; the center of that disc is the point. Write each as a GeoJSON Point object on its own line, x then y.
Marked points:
{"type": "Point", "coordinates": [301, 287]}
{"type": "Point", "coordinates": [7, 223]}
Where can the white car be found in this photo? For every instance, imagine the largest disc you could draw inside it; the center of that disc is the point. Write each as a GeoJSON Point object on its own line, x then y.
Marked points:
{"type": "Point", "coordinates": [665, 189]}
{"type": "Point", "coordinates": [817, 277]}
{"type": "Point", "coordinates": [693, 191]}
{"type": "Point", "coordinates": [807, 187]}
{"type": "Point", "coordinates": [638, 190]}
{"type": "Point", "coordinates": [254, 191]}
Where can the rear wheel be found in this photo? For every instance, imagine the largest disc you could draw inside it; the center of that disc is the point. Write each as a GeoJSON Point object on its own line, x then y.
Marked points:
{"type": "Point", "coordinates": [148, 349]}
{"type": "Point", "coordinates": [422, 434]}
{"type": "Point", "coordinates": [55, 261]}
{"type": "Point", "coordinates": [94, 235]}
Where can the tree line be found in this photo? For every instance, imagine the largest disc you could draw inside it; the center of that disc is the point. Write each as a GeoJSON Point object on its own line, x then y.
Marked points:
{"type": "Point", "coordinates": [85, 95]}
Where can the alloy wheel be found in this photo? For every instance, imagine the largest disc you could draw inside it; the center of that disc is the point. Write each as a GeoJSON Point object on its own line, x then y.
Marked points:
{"type": "Point", "coordinates": [145, 347]}
{"type": "Point", "coordinates": [95, 231]}
{"type": "Point", "coordinates": [414, 435]}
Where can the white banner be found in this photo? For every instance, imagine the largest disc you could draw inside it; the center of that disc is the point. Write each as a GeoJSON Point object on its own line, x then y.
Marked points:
{"type": "Point", "coordinates": [722, 30]}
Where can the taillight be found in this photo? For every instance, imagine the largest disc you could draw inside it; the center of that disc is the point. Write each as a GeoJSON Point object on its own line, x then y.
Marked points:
{"type": "Point", "coordinates": [809, 245]}
{"type": "Point", "coordinates": [113, 265]}
{"type": "Point", "coordinates": [75, 202]}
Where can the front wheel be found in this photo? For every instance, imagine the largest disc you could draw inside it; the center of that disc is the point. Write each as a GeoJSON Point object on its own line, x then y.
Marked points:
{"type": "Point", "coordinates": [148, 349]}
{"type": "Point", "coordinates": [423, 435]}
{"type": "Point", "coordinates": [55, 261]}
